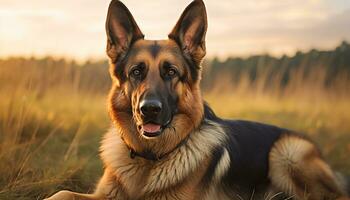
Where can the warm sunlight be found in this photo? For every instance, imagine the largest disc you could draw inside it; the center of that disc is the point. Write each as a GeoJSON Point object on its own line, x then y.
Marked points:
{"type": "Point", "coordinates": [246, 99]}
{"type": "Point", "coordinates": [76, 28]}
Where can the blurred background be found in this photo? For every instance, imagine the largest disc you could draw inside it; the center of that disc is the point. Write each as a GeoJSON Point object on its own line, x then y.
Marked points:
{"type": "Point", "coordinates": [280, 62]}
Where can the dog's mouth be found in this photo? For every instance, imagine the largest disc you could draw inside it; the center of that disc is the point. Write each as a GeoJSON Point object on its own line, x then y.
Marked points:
{"type": "Point", "coordinates": [151, 130]}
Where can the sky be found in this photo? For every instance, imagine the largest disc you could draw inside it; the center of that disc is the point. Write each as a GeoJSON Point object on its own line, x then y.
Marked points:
{"type": "Point", "coordinates": [75, 28]}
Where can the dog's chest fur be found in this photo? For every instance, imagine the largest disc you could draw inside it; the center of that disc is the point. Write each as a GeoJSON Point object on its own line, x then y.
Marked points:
{"type": "Point", "coordinates": [177, 176]}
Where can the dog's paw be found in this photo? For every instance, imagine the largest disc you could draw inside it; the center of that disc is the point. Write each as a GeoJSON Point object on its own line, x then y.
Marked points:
{"type": "Point", "coordinates": [62, 195]}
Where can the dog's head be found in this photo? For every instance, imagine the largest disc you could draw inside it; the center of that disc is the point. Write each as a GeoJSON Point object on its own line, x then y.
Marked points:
{"type": "Point", "coordinates": [155, 98]}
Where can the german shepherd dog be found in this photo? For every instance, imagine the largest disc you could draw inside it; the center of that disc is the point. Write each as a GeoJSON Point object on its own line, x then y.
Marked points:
{"type": "Point", "coordinates": [166, 143]}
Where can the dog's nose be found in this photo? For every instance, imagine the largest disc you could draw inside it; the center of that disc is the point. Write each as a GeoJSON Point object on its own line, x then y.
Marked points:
{"type": "Point", "coordinates": [150, 107]}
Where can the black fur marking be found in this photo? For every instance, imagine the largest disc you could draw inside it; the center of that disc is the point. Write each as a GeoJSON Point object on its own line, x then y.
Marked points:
{"type": "Point", "coordinates": [119, 65]}
{"type": "Point", "coordinates": [149, 155]}
{"type": "Point", "coordinates": [192, 65]}
{"type": "Point", "coordinates": [248, 145]}
{"type": "Point", "coordinates": [155, 49]}
{"type": "Point", "coordinates": [210, 114]}
{"type": "Point", "coordinates": [193, 68]}
{"type": "Point", "coordinates": [216, 157]}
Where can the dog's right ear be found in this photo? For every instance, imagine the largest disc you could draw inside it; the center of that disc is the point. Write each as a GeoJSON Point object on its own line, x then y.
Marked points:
{"type": "Point", "coordinates": [121, 30]}
{"type": "Point", "coordinates": [190, 30]}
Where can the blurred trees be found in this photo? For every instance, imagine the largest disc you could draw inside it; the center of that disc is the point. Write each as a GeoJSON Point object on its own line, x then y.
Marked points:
{"type": "Point", "coordinates": [267, 71]}
{"type": "Point", "coordinates": [328, 68]}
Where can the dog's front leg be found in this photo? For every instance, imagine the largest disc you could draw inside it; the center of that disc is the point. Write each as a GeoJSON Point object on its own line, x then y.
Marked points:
{"type": "Point", "coordinates": [108, 188]}
{"type": "Point", "coordinates": [68, 195]}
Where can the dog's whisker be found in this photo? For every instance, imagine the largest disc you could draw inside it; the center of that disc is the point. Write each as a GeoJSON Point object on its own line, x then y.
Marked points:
{"type": "Point", "coordinates": [275, 195]}
{"type": "Point", "coordinates": [239, 197]}
{"type": "Point", "coordinates": [289, 197]}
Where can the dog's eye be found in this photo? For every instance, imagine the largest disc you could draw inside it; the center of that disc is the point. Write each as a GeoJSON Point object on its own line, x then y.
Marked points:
{"type": "Point", "coordinates": [136, 72]}
{"type": "Point", "coordinates": [171, 72]}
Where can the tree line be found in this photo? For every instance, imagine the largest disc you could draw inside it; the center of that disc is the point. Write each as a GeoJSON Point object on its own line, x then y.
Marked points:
{"type": "Point", "coordinates": [324, 67]}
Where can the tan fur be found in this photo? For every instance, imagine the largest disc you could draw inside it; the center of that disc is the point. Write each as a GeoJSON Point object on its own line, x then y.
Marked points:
{"type": "Point", "coordinates": [189, 116]}
{"type": "Point", "coordinates": [222, 166]}
{"type": "Point", "coordinates": [148, 177]}
{"type": "Point", "coordinates": [176, 177]}
{"type": "Point", "coordinates": [215, 190]}
{"type": "Point", "coordinates": [295, 165]}
{"type": "Point", "coordinates": [148, 180]}
{"type": "Point", "coordinates": [297, 168]}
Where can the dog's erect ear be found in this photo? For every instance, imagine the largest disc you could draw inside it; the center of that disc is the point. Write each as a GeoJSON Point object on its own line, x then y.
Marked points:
{"type": "Point", "coordinates": [121, 30]}
{"type": "Point", "coordinates": [189, 32]}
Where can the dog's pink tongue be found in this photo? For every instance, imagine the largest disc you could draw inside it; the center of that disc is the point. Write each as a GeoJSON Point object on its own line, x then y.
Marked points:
{"type": "Point", "coordinates": [151, 128]}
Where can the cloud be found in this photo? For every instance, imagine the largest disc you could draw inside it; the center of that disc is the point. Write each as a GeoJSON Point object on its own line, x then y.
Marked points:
{"type": "Point", "coordinates": [76, 28]}
{"type": "Point", "coordinates": [276, 27]}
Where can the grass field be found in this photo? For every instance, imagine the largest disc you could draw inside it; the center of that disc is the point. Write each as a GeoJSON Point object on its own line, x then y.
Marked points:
{"type": "Point", "coordinates": [49, 138]}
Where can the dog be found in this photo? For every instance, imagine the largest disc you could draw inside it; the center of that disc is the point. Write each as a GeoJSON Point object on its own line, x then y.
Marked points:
{"type": "Point", "coordinates": [167, 143]}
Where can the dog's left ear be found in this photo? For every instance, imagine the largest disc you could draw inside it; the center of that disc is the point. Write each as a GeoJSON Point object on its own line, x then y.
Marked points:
{"type": "Point", "coordinates": [189, 32]}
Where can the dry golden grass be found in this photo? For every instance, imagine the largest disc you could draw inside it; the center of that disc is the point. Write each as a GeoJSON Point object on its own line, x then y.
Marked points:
{"type": "Point", "coordinates": [49, 134]}
{"type": "Point", "coordinates": [322, 114]}
{"type": "Point", "coordinates": [49, 142]}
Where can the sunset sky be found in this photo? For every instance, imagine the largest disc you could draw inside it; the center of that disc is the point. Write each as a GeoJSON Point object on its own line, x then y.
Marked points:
{"type": "Point", "coordinates": [75, 28]}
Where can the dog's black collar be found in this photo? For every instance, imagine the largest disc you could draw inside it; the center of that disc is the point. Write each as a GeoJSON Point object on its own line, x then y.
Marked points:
{"type": "Point", "coordinates": [149, 155]}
